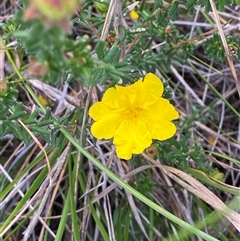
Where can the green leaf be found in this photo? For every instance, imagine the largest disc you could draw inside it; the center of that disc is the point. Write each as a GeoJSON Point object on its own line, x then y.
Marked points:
{"type": "Point", "coordinates": [113, 55]}
{"type": "Point", "coordinates": [75, 225]}
{"type": "Point", "coordinates": [31, 119]}
{"type": "Point", "coordinates": [173, 10]}
{"type": "Point", "coordinates": [63, 220]}
{"type": "Point", "coordinates": [40, 130]}
{"type": "Point", "coordinates": [17, 114]}
{"type": "Point", "coordinates": [100, 49]}
{"type": "Point", "coordinates": [98, 222]}
{"type": "Point", "coordinates": [4, 129]}
{"type": "Point", "coordinates": [98, 76]}
{"type": "Point", "coordinates": [123, 33]}
{"type": "Point", "coordinates": [25, 136]}
{"type": "Point", "coordinates": [15, 128]}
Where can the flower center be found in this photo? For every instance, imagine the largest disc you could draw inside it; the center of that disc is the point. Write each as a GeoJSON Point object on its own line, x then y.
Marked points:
{"type": "Point", "coordinates": [133, 112]}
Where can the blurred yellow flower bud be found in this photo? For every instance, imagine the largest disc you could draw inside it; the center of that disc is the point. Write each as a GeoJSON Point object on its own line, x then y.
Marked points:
{"type": "Point", "coordinates": [52, 12]}
{"type": "Point", "coordinates": [3, 87]}
{"type": "Point", "coordinates": [56, 9]}
{"type": "Point", "coordinates": [42, 100]}
{"type": "Point", "coordinates": [134, 15]}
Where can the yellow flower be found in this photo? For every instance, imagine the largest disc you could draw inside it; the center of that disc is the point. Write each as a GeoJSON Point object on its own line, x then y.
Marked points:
{"type": "Point", "coordinates": [42, 100]}
{"type": "Point", "coordinates": [134, 115]}
{"type": "Point", "coordinates": [134, 15]}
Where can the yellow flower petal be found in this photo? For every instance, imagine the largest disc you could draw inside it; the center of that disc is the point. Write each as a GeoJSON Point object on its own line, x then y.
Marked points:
{"type": "Point", "coordinates": [107, 120]}
{"type": "Point", "coordinates": [132, 137]}
{"type": "Point", "coordinates": [136, 94]}
{"type": "Point", "coordinates": [117, 97]}
{"type": "Point", "coordinates": [166, 110]}
{"type": "Point", "coordinates": [164, 131]}
{"type": "Point", "coordinates": [97, 109]}
{"type": "Point", "coordinates": [124, 97]}
{"type": "Point", "coordinates": [159, 117]}
{"type": "Point", "coordinates": [110, 98]}
{"type": "Point", "coordinates": [153, 87]}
